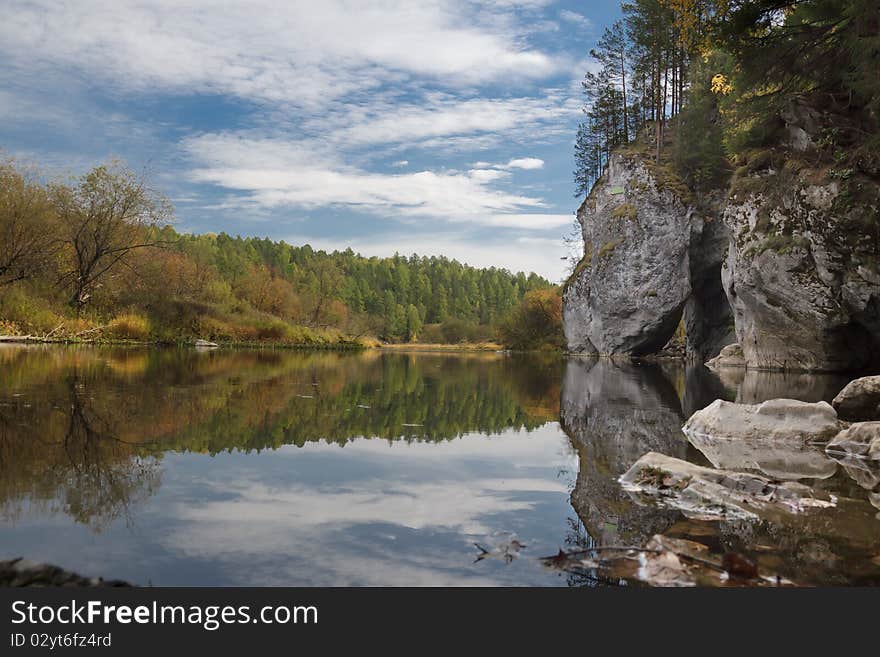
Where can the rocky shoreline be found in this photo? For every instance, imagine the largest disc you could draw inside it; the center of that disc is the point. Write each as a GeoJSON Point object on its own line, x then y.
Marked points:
{"type": "Point", "coordinates": [789, 486]}
{"type": "Point", "coordinates": [21, 572]}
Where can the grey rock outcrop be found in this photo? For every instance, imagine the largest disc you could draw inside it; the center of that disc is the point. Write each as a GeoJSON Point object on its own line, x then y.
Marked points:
{"type": "Point", "coordinates": [859, 400]}
{"type": "Point", "coordinates": [21, 572]}
{"type": "Point", "coordinates": [708, 318]}
{"type": "Point", "coordinates": [787, 263]}
{"type": "Point", "coordinates": [782, 420]}
{"type": "Point", "coordinates": [629, 290]}
{"type": "Point", "coordinates": [801, 270]}
{"type": "Point", "coordinates": [730, 356]}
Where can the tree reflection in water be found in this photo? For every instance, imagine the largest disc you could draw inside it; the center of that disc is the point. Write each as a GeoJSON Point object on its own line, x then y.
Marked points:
{"type": "Point", "coordinates": [83, 431]}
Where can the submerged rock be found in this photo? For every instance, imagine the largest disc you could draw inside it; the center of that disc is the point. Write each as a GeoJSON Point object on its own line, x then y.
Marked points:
{"type": "Point", "coordinates": [864, 472]}
{"type": "Point", "coordinates": [668, 562]}
{"type": "Point", "coordinates": [706, 494]}
{"type": "Point", "coordinates": [861, 440]}
{"type": "Point", "coordinates": [859, 400]}
{"type": "Point", "coordinates": [788, 420]}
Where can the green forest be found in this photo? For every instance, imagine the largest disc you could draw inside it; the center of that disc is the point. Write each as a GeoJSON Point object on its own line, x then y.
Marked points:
{"type": "Point", "coordinates": [97, 258]}
{"type": "Point", "coordinates": [705, 84]}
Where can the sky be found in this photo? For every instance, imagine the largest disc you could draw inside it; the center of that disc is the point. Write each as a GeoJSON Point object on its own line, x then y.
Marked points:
{"type": "Point", "coordinates": [437, 127]}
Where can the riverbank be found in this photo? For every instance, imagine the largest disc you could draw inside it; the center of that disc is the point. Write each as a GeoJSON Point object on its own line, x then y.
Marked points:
{"type": "Point", "coordinates": [459, 347]}
{"type": "Point", "coordinates": [338, 342]}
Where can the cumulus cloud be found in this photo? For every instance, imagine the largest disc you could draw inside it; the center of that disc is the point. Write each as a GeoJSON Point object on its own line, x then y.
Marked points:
{"type": "Point", "coordinates": [448, 116]}
{"type": "Point", "coordinates": [324, 94]}
{"type": "Point", "coordinates": [353, 530]}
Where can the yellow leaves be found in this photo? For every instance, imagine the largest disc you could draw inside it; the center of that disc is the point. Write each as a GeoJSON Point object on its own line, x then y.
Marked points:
{"type": "Point", "coordinates": [721, 84]}
{"type": "Point", "coordinates": [687, 20]}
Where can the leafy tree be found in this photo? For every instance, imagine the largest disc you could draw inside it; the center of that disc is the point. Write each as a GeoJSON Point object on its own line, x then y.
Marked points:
{"type": "Point", "coordinates": [535, 323]}
{"type": "Point", "coordinates": [103, 219]}
{"type": "Point", "coordinates": [99, 235]}
{"type": "Point", "coordinates": [27, 227]}
{"type": "Point", "coordinates": [413, 323]}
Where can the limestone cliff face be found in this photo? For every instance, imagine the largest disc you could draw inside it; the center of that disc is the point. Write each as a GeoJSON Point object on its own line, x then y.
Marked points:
{"type": "Point", "coordinates": [629, 292]}
{"type": "Point", "coordinates": [801, 270]}
{"type": "Point", "coordinates": [788, 256]}
{"type": "Point", "coordinates": [708, 316]}
{"type": "Point", "coordinates": [650, 257]}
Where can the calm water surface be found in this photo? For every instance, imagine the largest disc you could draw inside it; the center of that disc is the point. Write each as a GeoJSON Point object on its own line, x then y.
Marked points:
{"type": "Point", "coordinates": [178, 467]}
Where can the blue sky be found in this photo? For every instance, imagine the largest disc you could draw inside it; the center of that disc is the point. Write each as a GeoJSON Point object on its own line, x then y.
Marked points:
{"type": "Point", "coordinates": [436, 127]}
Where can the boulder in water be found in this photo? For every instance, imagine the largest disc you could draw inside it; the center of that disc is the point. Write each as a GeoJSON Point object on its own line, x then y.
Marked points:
{"type": "Point", "coordinates": [859, 400]}
{"type": "Point", "coordinates": [787, 420]}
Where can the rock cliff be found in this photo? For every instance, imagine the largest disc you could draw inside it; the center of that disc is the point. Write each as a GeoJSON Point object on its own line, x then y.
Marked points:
{"type": "Point", "coordinates": [788, 257]}
{"type": "Point", "coordinates": [801, 268]}
{"type": "Point", "coordinates": [650, 258]}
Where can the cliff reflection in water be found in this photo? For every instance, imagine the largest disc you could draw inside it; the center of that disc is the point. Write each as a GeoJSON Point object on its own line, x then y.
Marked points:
{"type": "Point", "coordinates": [614, 413]}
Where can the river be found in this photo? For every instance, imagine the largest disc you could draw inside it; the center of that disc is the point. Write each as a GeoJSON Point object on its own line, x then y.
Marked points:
{"type": "Point", "coordinates": [178, 467]}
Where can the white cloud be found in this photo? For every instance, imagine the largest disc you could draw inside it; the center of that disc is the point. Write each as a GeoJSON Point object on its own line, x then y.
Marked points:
{"type": "Point", "coordinates": [487, 175]}
{"type": "Point", "coordinates": [277, 173]}
{"type": "Point", "coordinates": [296, 52]}
{"type": "Point", "coordinates": [575, 18]}
{"type": "Point", "coordinates": [526, 163]}
{"type": "Point", "coordinates": [352, 530]}
{"type": "Point", "coordinates": [445, 116]}
{"type": "Point", "coordinates": [331, 88]}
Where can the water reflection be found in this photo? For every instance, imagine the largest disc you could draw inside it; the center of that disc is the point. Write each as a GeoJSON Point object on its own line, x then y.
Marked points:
{"type": "Point", "coordinates": [177, 467]}
{"type": "Point", "coordinates": [614, 413]}
{"type": "Point", "coordinates": [753, 387]}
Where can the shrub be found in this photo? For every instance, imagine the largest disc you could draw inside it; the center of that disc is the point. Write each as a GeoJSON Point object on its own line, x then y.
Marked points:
{"type": "Point", "coordinates": [8, 328]}
{"type": "Point", "coordinates": [30, 314]}
{"type": "Point", "coordinates": [129, 326]}
{"type": "Point", "coordinates": [625, 211]}
{"type": "Point", "coordinates": [535, 323]}
{"type": "Point", "coordinates": [273, 330]}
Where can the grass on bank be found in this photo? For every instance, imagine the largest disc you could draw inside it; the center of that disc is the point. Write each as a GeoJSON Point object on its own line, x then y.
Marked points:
{"type": "Point", "coordinates": [461, 346]}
